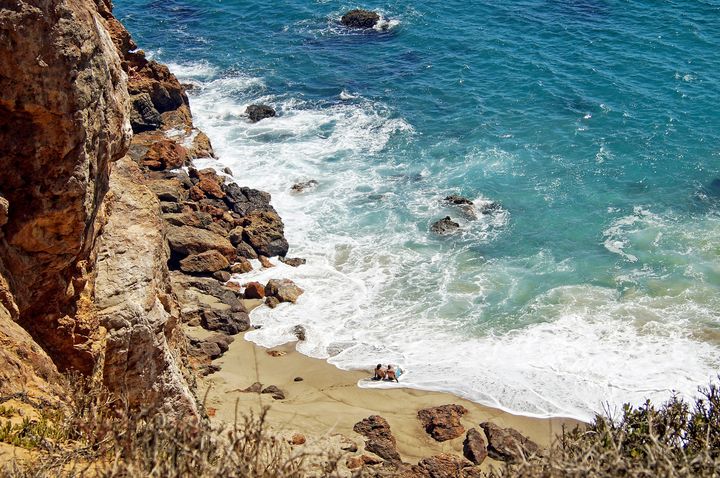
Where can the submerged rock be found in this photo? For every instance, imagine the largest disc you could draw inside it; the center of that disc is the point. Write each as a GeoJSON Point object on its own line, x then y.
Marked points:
{"type": "Point", "coordinates": [303, 186]}
{"type": "Point", "coordinates": [445, 226]}
{"type": "Point", "coordinates": [259, 112]}
{"type": "Point", "coordinates": [299, 332]}
{"type": "Point", "coordinates": [359, 18]}
{"type": "Point", "coordinates": [458, 200]}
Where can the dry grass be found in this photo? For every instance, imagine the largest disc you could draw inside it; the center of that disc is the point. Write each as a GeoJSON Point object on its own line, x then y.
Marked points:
{"type": "Point", "coordinates": [97, 436]}
{"type": "Point", "coordinates": [677, 439]}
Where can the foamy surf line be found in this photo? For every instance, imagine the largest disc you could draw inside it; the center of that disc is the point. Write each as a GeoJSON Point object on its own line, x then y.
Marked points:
{"type": "Point", "coordinates": [370, 298]}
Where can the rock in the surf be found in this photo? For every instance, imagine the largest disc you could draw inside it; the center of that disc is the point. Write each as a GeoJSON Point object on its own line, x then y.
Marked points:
{"type": "Point", "coordinates": [458, 200]}
{"type": "Point", "coordinates": [507, 444]}
{"type": "Point", "coordinates": [259, 112]}
{"type": "Point", "coordinates": [445, 226]}
{"type": "Point", "coordinates": [304, 186]}
{"type": "Point", "coordinates": [359, 18]}
{"type": "Point", "coordinates": [293, 261]}
{"type": "Point", "coordinates": [284, 290]}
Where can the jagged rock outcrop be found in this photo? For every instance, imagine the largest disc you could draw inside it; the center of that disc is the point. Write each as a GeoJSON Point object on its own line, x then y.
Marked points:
{"type": "Point", "coordinates": [63, 121]}
{"type": "Point", "coordinates": [134, 301]}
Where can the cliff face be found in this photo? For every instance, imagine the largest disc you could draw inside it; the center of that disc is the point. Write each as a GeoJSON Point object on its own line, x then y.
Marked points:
{"type": "Point", "coordinates": [63, 120]}
{"type": "Point", "coordinates": [83, 274]}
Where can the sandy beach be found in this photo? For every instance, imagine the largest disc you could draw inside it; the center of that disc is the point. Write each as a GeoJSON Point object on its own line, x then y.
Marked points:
{"type": "Point", "coordinates": [328, 402]}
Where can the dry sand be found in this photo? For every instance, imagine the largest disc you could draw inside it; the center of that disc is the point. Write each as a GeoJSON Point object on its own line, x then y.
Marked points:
{"type": "Point", "coordinates": [328, 402]}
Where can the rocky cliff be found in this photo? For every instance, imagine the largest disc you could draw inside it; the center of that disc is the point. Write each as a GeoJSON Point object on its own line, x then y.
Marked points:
{"type": "Point", "coordinates": [93, 219]}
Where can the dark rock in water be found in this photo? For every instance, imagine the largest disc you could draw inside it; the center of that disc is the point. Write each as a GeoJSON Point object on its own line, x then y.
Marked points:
{"type": "Point", "coordinates": [264, 231]}
{"type": "Point", "coordinates": [227, 171]}
{"type": "Point", "coordinates": [474, 447]}
{"type": "Point", "coordinates": [299, 332]}
{"type": "Point", "coordinates": [459, 200]}
{"type": "Point", "coordinates": [443, 423]}
{"type": "Point", "coordinates": [143, 115]}
{"type": "Point", "coordinates": [303, 186]}
{"type": "Point", "coordinates": [187, 86]}
{"type": "Point", "coordinates": [507, 444]}
{"type": "Point", "coordinates": [714, 187]}
{"type": "Point", "coordinates": [244, 200]}
{"type": "Point", "coordinates": [490, 207]}
{"type": "Point", "coordinates": [293, 261]}
{"type": "Point", "coordinates": [259, 112]}
{"type": "Point", "coordinates": [445, 226]}
{"type": "Point", "coordinates": [360, 19]}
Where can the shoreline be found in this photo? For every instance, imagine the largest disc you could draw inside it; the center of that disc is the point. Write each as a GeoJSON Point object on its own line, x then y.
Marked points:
{"type": "Point", "coordinates": [328, 402]}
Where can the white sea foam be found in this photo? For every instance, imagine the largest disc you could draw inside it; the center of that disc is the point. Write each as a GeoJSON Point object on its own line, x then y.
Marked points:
{"type": "Point", "coordinates": [397, 294]}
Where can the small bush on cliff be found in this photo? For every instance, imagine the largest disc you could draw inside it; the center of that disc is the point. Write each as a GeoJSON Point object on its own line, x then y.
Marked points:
{"type": "Point", "coordinates": [677, 439]}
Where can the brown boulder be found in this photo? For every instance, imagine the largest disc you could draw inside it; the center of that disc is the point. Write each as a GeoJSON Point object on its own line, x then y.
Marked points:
{"type": "Point", "coordinates": [165, 154]}
{"type": "Point", "coordinates": [225, 321]}
{"type": "Point", "coordinates": [265, 262]}
{"type": "Point", "coordinates": [284, 290]}
{"type": "Point", "coordinates": [474, 447]}
{"type": "Point", "coordinates": [442, 466]}
{"type": "Point", "coordinates": [293, 261]}
{"type": "Point", "coordinates": [201, 147]}
{"type": "Point", "coordinates": [379, 438]}
{"type": "Point", "coordinates": [222, 276]}
{"type": "Point", "coordinates": [272, 302]}
{"type": "Point", "coordinates": [443, 423]}
{"type": "Point", "coordinates": [507, 444]}
{"type": "Point", "coordinates": [254, 290]}
{"type": "Point", "coordinates": [186, 240]}
{"type": "Point", "coordinates": [242, 266]}
{"type": "Point", "coordinates": [265, 232]}
{"type": "Point", "coordinates": [204, 263]}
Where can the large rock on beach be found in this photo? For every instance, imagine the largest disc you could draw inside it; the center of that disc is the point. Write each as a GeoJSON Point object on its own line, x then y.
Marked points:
{"type": "Point", "coordinates": [259, 112]}
{"type": "Point", "coordinates": [379, 438]}
{"type": "Point", "coordinates": [474, 447]}
{"type": "Point", "coordinates": [443, 422]}
{"type": "Point", "coordinates": [225, 321]}
{"type": "Point", "coordinates": [445, 226]}
{"type": "Point", "coordinates": [507, 444]}
{"type": "Point", "coordinates": [284, 290]}
{"type": "Point", "coordinates": [359, 18]}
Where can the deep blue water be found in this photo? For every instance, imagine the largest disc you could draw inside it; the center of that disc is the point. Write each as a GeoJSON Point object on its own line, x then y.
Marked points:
{"type": "Point", "coordinates": [594, 124]}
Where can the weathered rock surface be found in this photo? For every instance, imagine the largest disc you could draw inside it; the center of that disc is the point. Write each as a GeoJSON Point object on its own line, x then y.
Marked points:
{"type": "Point", "coordinates": [443, 422]}
{"type": "Point", "coordinates": [188, 240]}
{"type": "Point", "coordinates": [254, 290]}
{"type": "Point", "coordinates": [165, 154]}
{"type": "Point", "coordinates": [274, 392]}
{"type": "Point", "coordinates": [133, 300]}
{"type": "Point", "coordinates": [442, 466]}
{"type": "Point", "coordinates": [293, 261]}
{"type": "Point", "coordinates": [445, 226]}
{"type": "Point", "coordinates": [63, 121]}
{"type": "Point", "coordinates": [304, 186]}
{"type": "Point", "coordinates": [143, 115]}
{"type": "Point", "coordinates": [204, 263]}
{"type": "Point", "coordinates": [507, 444]}
{"type": "Point", "coordinates": [458, 200]}
{"type": "Point", "coordinates": [284, 290]}
{"type": "Point", "coordinates": [225, 321]}
{"type": "Point", "coordinates": [360, 19]}
{"type": "Point", "coordinates": [379, 438]}
{"type": "Point", "coordinates": [259, 112]}
{"type": "Point", "coordinates": [474, 447]}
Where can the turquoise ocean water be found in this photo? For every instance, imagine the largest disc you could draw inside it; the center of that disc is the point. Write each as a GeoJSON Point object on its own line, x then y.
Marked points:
{"type": "Point", "coordinates": [595, 124]}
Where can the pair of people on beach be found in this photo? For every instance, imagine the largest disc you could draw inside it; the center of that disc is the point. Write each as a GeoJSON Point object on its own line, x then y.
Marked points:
{"type": "Point", "coordinates": [386, 373]}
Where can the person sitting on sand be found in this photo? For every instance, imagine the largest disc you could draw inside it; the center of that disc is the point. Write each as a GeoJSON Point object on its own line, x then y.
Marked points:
{"type": "Point", "coordinates": [390, 374]}
{"type": "Point", "coordinates": [380, 372]}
